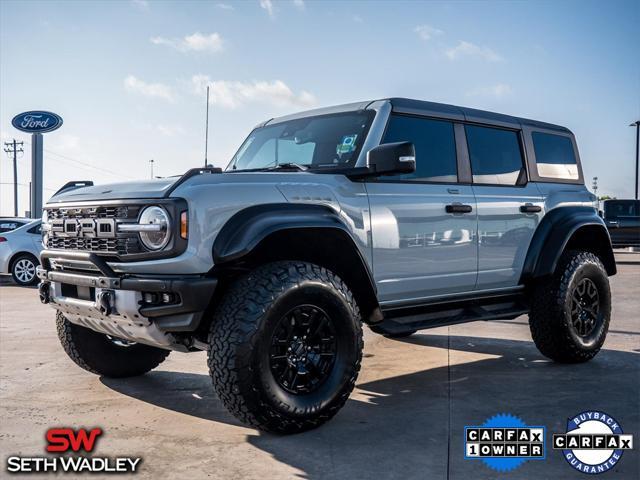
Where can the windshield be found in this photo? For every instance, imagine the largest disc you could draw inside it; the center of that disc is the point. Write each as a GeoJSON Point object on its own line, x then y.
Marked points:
{"type": "Point", "coordinates": [316, 142]}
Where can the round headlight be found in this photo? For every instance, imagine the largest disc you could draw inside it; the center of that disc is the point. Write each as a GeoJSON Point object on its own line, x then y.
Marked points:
{"type": "Point", "coordinates": [157, 238]}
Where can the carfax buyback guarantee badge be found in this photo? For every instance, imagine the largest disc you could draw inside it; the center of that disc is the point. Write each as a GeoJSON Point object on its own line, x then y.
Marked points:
{"type": "Point", "coordinates": [593, 443]}
{"type": "Point", "coordinates": [504, 442]}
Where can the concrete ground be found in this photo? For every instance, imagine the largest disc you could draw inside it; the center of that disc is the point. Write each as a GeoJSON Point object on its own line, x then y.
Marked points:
{"type": "Point", "coordinates": [405, 420]}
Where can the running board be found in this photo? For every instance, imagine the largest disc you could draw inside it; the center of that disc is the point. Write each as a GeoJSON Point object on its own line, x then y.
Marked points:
{"type": "Point", "coordinates": [409, 318]}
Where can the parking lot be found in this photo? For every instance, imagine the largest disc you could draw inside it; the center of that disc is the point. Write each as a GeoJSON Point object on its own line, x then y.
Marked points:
{"type": "Point", "coordinates": [405, 419]}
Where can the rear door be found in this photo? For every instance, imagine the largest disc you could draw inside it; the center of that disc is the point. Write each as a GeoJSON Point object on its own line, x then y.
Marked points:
{"type": "Point", "coordinates": [623, 221]}
{"type": "Point", "coordinates": [423, 224]}
{"type": "Point", "coordinates": [509, 207]}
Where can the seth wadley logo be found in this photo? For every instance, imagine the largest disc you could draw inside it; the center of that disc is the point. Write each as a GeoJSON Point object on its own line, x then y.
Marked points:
{"type": "Point", "coordinates": [63, 440]}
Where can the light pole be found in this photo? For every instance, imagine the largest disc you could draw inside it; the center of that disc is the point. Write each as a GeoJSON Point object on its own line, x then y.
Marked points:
{"type": "Point", "coordinates": [595, 191]}
{"type": "Point", "coordinates": [151, 163]}
{"type": "Point", "coordinates": [637, 125]}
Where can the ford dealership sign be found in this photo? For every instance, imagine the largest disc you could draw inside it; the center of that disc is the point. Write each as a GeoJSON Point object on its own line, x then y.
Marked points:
{"type": "Point", "coordinates": [37, 121]}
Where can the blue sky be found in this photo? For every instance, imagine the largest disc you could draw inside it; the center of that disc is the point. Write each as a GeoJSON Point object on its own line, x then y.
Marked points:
{"type": "Point", "coordinates": [128, 76]}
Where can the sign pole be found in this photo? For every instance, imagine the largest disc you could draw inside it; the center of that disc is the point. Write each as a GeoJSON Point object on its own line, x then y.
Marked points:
{"type": "Point", "coordinates": [36, 175]}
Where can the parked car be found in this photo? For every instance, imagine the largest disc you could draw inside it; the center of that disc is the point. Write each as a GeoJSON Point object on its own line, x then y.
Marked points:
{"type": "Point", "coordinates": [396, 213]}
{"type": "Point", "coordinates": [622, 218]}
{"type": "Point", "coordinates": [20, 249]}
{"type": "Point", "coordinates": [11, 223]}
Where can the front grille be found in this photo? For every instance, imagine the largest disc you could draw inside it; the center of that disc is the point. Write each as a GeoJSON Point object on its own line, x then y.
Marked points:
{"type": "Point", "coordinates": [125, 243]}
{"type": "Point", "coordinates": [124, 212]}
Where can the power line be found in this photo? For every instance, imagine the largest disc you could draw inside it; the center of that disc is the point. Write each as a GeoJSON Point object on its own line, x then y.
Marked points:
{"type": "Point", "coordinates": [104, 170]}
{"type": "Point", "coordinates": [11, 148]}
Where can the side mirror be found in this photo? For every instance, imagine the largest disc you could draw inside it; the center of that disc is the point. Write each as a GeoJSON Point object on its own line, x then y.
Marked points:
{"type": "Point", "coordinates": [390, 158]}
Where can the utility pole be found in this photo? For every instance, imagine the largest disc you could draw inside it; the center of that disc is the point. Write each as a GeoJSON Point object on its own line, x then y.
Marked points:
{"type": "Point", "coordinates": [637, 125]}
{"type": "Point", "coordinates": [151, 164]}
{"type": "Point", "coordinates": [13, 149]}
{"type": "Point", "coordinates": [206, 132]}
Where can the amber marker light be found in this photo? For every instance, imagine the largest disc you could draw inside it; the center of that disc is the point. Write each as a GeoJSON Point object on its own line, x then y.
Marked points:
{"type": "Point", "coordinates": [184, 225]}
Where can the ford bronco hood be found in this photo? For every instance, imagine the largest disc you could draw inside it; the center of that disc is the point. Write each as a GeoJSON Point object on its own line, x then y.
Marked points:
{"type": "Point", "coordinates": [113, 191]}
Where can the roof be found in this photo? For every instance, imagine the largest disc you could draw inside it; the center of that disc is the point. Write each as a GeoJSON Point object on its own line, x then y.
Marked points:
{"type": "Point", "coordinates": [454, 112]}
{"type": "Point", "coordinates": [421, 107]}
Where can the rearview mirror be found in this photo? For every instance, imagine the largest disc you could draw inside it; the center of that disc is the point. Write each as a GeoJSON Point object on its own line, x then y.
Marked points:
{"type": "Point", "coordinates": [390, 158]}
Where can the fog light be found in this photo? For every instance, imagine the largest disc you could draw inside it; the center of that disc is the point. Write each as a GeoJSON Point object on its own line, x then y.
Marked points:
{"type": "Point", "coordinates": [150, 297]}
{"type": "Point", "coordinates": [167, 298]}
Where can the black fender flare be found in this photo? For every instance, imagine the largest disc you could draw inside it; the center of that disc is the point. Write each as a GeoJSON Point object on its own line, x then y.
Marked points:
{"type": "Point", "coordinates": [554, 233]}
{"type": "Point", "coordinates": [246, 229]}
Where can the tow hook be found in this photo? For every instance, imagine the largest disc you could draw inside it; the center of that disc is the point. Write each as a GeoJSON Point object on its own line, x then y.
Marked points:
{"type": "Point", "coordinates": [44, 292]}
{"type": "Point", "coordinates": [104, 302]}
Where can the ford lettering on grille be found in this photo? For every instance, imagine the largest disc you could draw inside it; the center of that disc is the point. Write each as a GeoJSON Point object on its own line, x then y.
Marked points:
{"type": "Point", "coordinates": [84, 228]}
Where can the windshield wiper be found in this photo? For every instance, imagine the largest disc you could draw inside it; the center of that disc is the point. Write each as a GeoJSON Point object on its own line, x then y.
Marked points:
{"type": "Point", "coordinates": [288, 165]}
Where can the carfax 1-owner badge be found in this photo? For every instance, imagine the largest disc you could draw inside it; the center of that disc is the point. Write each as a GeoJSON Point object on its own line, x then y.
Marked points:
{"type": "Point", "coordinates": [593, 443]}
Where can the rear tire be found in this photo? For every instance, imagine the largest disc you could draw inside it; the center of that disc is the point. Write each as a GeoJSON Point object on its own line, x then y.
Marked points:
{"type": "Point", "coordinates": [23, 269]}
{"type": "Point", "coordinates": [97, 353]}
{"type": "Point", "coordinates": [285, 347]}
{"type": "Point", "coordinates": [570, 313]}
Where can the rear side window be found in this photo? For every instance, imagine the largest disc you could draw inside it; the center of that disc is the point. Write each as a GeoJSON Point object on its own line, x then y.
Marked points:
{"type": "Point", "coordinates": [555, 157]}
{"type": "Point", "coordinates": [495, 154]}
{"type": "Point", "coordinates": [8, 226]}
{"type": "Point", "coordinates": [621, 208]}
{"type": "Point", "coordinates": [435, 145]}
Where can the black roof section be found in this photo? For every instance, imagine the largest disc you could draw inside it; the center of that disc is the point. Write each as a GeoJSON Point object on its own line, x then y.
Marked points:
{"type": "Point", "coordinates": [453, 112]}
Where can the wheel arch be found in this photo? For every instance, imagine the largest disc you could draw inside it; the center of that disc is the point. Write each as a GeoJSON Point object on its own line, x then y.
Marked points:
{"type": "Point", "coordinates": [305, 232]}
{"type": "Point", "coordinates": [571, 227]}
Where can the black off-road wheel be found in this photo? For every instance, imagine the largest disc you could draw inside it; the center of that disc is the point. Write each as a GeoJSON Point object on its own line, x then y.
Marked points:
{"type": "Point", "coordinates": [285, 347]}
{"type": "Point", "coordinates": [570, 312]}
{"type": "Point", "coordinates": [104, 355]}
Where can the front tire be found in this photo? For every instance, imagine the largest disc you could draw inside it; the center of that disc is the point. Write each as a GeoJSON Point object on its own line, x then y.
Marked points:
{"type": "Point", "coordinates": [285, 347]}
{"type": "Point", "coordinates": [570, 314]}
{"type": "Point", "coordinates": [112, 357]}
{"type": "Point", "coordinates": [23, 270]}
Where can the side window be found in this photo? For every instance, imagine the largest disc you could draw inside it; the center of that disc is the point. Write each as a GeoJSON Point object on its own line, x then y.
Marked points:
{"type": "Point", "coordinates": [495, 154]}
{"type": "Point", "coordinates": [435, 147]}
{"type": "Point", "coordinates": [37, 230]}
{"type": "Point", "coordinates": [555, 157]}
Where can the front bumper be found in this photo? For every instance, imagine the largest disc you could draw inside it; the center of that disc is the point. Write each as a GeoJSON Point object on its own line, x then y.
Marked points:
{"type": "Point", "coordinates": [147, 309]}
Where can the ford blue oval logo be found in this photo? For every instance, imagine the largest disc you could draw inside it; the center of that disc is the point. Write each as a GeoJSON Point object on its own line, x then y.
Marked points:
{"type": "Point", "coordinates": [37, 121]}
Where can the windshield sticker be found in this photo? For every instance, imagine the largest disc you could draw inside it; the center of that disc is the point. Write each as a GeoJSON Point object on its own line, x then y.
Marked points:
{"type": "Point", "coordinates": [347, 145]}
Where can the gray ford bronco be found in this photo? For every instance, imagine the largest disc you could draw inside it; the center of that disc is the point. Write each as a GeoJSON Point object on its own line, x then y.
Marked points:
{"type": "Point", "coordinates": [396, 213]}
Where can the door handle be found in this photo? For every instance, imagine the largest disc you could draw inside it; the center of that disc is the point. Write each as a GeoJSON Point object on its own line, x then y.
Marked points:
{"type": "Point", "coordinates": [458, 208]}
{"type": "Point", "coordinates": [529, 208]}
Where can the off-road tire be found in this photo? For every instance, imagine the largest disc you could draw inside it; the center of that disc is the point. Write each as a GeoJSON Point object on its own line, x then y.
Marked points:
{"type": "Point", "coordinates": [23, 260]}
{"type": "Point", "coordinates": [96, 353]}
{"type": "Point", "coordinates": [242, 332]}
{"type": "Point", "coordinates": [550, 316]}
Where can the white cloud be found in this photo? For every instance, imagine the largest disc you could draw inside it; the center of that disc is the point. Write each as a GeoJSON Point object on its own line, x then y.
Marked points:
{"type": "Point", "coordinates": [499, 90]}
{"type": "Point", "coordinates": [225, 6]}
{"type": "Point", "coordinates": [158, 90]}
{"type": "Point", "coordinates": [233, 94]}
{"type": "Point", "coordinates": [427, 32]}
{"type": "Point", "coordinates": [141, 4]}
{"type": "Point", "coordinates": [196, 42]}
{"type": "Point", "coordinates": [467, 49]}
{"type": "Point", "coordinates": [299, 4]}
{"type": "Point", "coordinates": [357, 19]}
{"type": "Point", "coordinates": [268, 6]}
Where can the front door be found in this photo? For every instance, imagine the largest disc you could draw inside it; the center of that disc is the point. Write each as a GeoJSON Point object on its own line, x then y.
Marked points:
{"type": "Point", "coordinates": [423, 225]}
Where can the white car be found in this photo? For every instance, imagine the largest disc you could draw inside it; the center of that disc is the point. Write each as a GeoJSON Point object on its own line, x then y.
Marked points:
{"type": "Point", "coordinates": [20, 246]}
